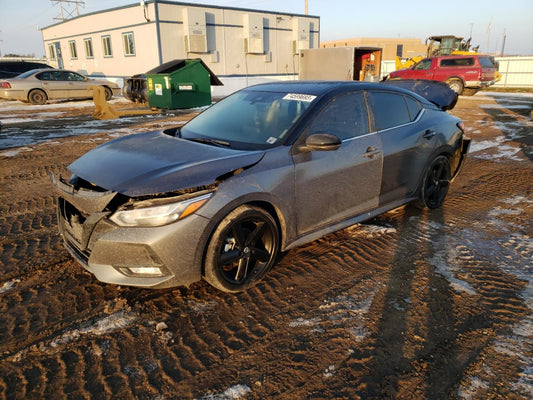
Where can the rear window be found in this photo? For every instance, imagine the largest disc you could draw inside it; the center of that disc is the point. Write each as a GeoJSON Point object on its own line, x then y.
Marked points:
{"type": "Point", "coordinates": [485, 62]}
{"type": "Point", "coordinates": [457, 62]}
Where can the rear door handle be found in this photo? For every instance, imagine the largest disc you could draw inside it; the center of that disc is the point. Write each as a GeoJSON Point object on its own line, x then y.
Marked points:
{"type": "Point", "coordinates": [429, 134]}
{"type": "Point", "coordinates": [371, 152]}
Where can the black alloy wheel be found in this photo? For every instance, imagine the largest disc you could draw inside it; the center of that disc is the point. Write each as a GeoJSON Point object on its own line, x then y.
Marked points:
{"type": "Point", "coordinates": [436, 183]}
{"type": "Point", "coordinates": [243, 248]}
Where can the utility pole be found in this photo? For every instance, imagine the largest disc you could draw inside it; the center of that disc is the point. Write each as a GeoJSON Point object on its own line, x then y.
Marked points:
{"type": "Point", "coordinates": [69, 8]}
{"type": "Point", "coordinates": [488, 35]}
{"type": "Point", "coordinates": [503, 42]}
{"type": "Point", "coordinates": [306, 7]}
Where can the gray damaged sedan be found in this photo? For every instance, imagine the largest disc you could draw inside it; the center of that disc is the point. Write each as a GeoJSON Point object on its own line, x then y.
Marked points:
{"type": "Point", "coordinates": [264, 170]}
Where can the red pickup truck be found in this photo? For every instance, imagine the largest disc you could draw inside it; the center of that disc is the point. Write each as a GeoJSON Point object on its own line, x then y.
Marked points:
{"type": "Point", "coordinates": [464, 74]}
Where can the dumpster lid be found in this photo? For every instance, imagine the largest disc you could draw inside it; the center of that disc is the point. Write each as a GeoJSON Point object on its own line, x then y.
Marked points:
{"type": "Point", "coordinates": [171, 66]}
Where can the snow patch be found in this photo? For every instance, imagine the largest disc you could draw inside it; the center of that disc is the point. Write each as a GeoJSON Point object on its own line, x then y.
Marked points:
{"type": "Point", "coordinates": [341, 311]}
{"type": "Point", "coordinates": [474, 384]}
{"type": "Point", "coordinates": [233, 393]}
{"type": "Point", "coordinates": [201, 307]}
{"type": "Point", "coordinates": [298, 322]}
{"type": "Point", "coordinates": [442, 261]}
{"type": "Point", "coordinates": [369, 230]}
{"type": "Point", "coordinates": [14, 153]}
{"type": "Point", "coordinates": [6, 287]}
{"type": "Point", "coordinates": [118, 320]}
{"type": "Point", "coordinates": [329, 372]}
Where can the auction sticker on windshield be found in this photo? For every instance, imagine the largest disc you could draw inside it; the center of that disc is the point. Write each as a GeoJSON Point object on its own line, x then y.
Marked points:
{"type": "Point", "coordinates": [308, 98]}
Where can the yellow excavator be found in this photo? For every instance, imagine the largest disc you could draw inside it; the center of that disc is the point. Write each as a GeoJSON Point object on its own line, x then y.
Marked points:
{"type": "Point", "coordinates": [439, 46]}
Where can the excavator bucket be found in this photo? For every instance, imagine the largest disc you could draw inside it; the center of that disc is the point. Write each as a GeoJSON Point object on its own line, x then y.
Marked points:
{"type": "Point", "coordinates": [102, 109]}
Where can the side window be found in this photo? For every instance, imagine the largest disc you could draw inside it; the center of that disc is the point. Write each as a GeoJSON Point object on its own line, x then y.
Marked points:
{"type": "Point", "coordinates": [422, 65]}
{"type": "Point", "coordinates": [457, 62]}
{"type": "Point", "coordinates": [345, 116]}
{"type": "Point", "coordinates": [71, 76]}
{"type": "Point", "coordinates": [413, 106]}
{"type": "Point", "coordinates": [50, 76]}
{"type": "Point", "coordinates": [44, 76]}
{"type": "Point", "coordinates": [485, 62]}
{"type": "Point", "coordinates": [390, 110]}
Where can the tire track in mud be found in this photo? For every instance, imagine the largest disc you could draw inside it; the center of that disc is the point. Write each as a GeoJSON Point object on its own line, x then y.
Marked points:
{"type": "Point", "coordinates": [204, 325]}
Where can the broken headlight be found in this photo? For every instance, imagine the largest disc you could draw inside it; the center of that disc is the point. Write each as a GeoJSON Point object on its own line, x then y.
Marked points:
{"type": "Point", "coordinates": [159, 215]}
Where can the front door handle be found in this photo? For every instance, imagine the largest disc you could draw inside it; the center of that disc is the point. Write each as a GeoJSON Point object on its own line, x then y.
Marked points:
{"type": "Point", "coordinates": [429, 134]}
{"type": "Point", "coordinates": [371, 152]}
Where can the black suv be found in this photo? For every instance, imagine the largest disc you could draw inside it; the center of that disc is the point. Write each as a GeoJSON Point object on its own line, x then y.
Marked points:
{"type": "Point", "coordinates": [10, 69]}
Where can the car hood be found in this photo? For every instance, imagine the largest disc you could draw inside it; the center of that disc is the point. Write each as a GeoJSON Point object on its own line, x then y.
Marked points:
{"type": "Point", "coordinates": [436, 92]}
{"type": "Point", "coordinates": [153, 162]}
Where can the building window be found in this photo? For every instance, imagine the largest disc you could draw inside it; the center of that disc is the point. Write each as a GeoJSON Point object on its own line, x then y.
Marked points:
{"type": "Point", "coordinates": [88, 43]}
{"type": "Point", "coordinates": [399, 50]}
{"type": "Point", "coordinates": [52, 51]}
{"type": "Point", "coordinates": [128, 44]}
{"type": "Point", "coordinates": [73, 51]}
{"type": "Point", "coordinates": [106, 46]}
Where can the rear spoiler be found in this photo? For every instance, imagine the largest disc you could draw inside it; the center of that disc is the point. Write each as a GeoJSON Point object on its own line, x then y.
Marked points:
{"type": "Point", "coordinates": [436, 92]}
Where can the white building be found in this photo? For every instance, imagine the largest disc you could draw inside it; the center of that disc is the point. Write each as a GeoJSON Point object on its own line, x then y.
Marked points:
{"type": "Point", "coordinates": [237, 44]}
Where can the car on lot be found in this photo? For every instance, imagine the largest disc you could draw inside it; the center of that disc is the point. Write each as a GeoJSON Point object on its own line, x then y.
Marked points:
{"type": "Point", "coordinates": [464, 74]}
{"type": "Point", "coordinates": [10, 69]}
{"type": "Point", "coordinates": [266, 169]}
{"type": "Point", "coordinates": [37, 86]}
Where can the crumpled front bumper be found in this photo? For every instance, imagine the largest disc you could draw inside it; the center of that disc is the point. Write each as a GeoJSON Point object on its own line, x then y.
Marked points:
{"type": "Point", "coordinates": [110, 251]}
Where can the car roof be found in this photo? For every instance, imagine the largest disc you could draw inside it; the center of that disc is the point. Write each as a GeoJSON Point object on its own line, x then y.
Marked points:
{"type": "Point", "coordinates": [323, 88]}
{"type": "Point", "coordinates": [319, 88]}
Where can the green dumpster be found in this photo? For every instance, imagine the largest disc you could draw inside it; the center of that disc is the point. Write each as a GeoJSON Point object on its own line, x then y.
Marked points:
{"type": "Point", "coordinates": [180, 84]}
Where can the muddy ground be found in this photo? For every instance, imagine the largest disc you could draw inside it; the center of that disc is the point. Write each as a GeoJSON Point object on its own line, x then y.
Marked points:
{"type": "Point", "coordinates": [409, 305]}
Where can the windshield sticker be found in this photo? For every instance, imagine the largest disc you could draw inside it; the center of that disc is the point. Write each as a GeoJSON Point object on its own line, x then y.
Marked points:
{"type": "Point", "coordinates": [308, 98]}
{"type": "Point", "coordinates": [271, 140]}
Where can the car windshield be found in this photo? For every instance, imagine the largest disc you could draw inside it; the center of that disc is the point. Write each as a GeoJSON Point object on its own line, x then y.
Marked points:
{"type": "Point", "coordinates": [249, 119]}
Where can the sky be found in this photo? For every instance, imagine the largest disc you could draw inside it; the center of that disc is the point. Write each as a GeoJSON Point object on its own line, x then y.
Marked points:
{"type": "Point", "coordinates": [487, 20]}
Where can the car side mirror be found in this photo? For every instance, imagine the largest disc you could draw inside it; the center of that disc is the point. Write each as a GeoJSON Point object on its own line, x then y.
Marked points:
{"type": "Point", "coordinates": [321, 142]}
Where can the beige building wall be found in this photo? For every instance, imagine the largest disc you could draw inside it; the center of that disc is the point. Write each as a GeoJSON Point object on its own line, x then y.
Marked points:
{"type": "Point", "coordinates": [411, 47]}
{"type": "Point", "coordinates": [159, 32]}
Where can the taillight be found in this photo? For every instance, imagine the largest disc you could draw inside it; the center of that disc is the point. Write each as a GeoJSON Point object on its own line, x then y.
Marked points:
{"type": "Point", "coordinates": [5, 85]}
{"type": "Point", "coordinates": [461, 126]}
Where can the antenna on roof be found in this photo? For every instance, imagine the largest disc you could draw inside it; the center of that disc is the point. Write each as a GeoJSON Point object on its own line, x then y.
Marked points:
{"type": "Point", "coordinates": [69, 8]}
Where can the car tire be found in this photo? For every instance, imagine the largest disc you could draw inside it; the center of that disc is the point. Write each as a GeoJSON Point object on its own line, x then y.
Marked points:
{"type": "Point", "coordinates": [456, 85]}
{"type": "Point", "coordinates": [108, 93]}
{"type": "Point", "coordinates": [242, 249]}
{"type": "Point", "coordinates": [435, 183]}
{"type": "Point", "coordinates": [37, 96]}
{"type": "Point", "coordinates": [469, 91]}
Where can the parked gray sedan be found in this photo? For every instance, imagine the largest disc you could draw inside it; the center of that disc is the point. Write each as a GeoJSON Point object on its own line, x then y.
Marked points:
{"type": "Point", "coordinates": [264, 170]}
{"type": "Point", "coordinates": [37, 86]}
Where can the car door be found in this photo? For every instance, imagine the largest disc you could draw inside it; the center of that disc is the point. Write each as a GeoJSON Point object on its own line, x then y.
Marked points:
{"type": "Point", "coordinates": [331, 186]}
{"type": "Point", "coordinates": [78, 85]}
{"type": "Point", "coordinates": [54, 83]}
{"type": "Point", "coordinates": [408, 138]}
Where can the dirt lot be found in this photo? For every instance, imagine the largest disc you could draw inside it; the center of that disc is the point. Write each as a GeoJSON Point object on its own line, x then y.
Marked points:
{"type": "Point", "coordinates": [410, 305]}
